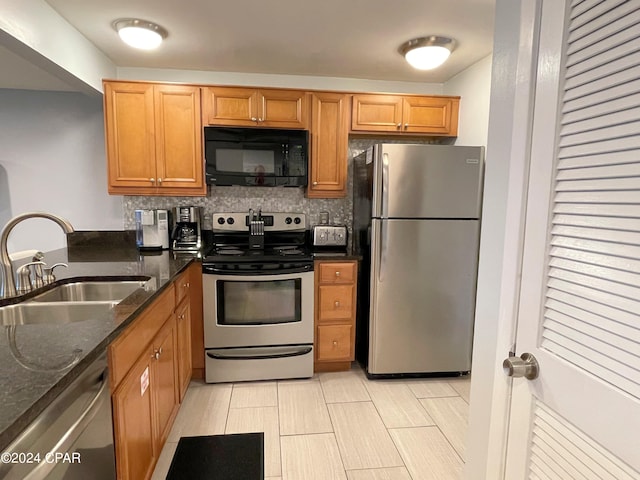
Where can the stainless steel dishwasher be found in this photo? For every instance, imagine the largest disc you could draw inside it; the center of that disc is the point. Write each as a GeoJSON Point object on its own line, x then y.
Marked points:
{"type": "Point", "coordinates": [72, 438]}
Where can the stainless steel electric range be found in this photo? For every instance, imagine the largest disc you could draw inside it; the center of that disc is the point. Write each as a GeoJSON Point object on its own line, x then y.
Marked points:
{"type": "Point", "coordinates": [258, 298]}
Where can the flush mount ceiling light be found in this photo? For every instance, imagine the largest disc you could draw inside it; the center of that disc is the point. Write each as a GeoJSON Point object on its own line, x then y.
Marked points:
{"type": "Point", "coordinates": [426, 53]}
{"type": "Point", "coordinates": [140, 33]}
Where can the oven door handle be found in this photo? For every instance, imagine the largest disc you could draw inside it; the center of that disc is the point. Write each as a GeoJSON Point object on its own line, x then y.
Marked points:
{"type": "Point", "coordinates": [213, 269]}
{"type": "Point", "coordinates": [285, 352]}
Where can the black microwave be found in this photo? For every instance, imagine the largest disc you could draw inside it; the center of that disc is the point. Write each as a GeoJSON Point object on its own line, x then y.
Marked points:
{"type": "Point", "coordinates": [265, 157]}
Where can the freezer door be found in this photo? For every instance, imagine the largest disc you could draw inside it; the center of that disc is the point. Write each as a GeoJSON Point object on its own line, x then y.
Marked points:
{"type": "Point", "coordinates": [427, 181]}
{"type": "Point", "coordinates": [423, 283]}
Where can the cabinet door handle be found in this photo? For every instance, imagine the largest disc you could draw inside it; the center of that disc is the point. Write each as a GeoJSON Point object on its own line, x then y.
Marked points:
{"type": "Point", "coordinates": [399, 125]}
{"type": "Point", "coordinates": [152, 180]}
{"type": "Point", "coordinates": [159, 180]}
{"type": "Point", "coordinates": [337, 274]}
{"type": "Point", "coordinates": [260, 120]}
{"type": "Point", "coordinates": [335, 343]}
{"type": "Point", "coordinates": [315, 183]}
{"type": "Point", "coordinates": [337, 304]}
{"type": "Point", "coordinates": [406, 125]}
{"type": "Point", "coordinates": [156, 355]}
{"type": "Point", "coordinates": [254, 119]}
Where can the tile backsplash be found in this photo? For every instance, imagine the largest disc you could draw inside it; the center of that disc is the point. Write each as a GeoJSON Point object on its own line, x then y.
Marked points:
{"type": "Point", "coordinates": [274, 199]}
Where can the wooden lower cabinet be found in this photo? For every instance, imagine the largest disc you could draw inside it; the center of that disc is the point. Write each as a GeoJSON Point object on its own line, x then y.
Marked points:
{"type": "Point", "coordinates": [335, 308]}
{"type": "Point", "coordinates": [150, 365]}
{"type": "Point", "coordinates": [165, 380]}
{"type": "Point", "coordinates": [334, 343]}
{"type": "Point", "coordinates": [197, 323]}
{"type": "Point", "coordinates": [183, 318]}
{"type": "Point", "coordinates": [145, 405]}
{"type": "Point", "coordinates": [136, 450]}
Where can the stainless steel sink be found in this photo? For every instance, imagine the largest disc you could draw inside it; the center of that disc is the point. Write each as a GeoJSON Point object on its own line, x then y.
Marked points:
{"type": "Point", "coordinates": [73, 302]}
{"type": "Point", "coordinates": [91, 291]}
{"type": "Point", "coordinates": [30, 313]}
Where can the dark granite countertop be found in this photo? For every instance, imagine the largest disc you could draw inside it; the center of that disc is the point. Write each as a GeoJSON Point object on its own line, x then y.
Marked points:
{"type": "Point", "coordinates": [33, 357]}
{"type": "Point", "coordinates": [335, 254]}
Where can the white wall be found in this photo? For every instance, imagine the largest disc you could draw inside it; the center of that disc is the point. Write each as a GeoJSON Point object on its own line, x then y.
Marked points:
{"type": "Point", "coordinates": [36, 32]}
{"type": "Point", "coordinates": [283, 81]}
{"type": "Point", "coordinates": [53, 160]}
{"type": "Point", "coordinates": [474, 86]}
{"type": "Point", "coordinates": [501, 237]}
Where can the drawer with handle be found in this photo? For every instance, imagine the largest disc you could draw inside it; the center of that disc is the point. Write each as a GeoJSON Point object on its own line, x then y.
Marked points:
{"type": "Point", "coordinates": [335, 302]}
{"type": "Point", "coordinates": [338, 272]}
{"type": "Point", "coordinates": [334, 342]}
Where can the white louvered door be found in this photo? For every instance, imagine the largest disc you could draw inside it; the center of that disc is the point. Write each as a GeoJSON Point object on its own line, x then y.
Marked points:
{"type": "Point", "coordinates": [579, 309]}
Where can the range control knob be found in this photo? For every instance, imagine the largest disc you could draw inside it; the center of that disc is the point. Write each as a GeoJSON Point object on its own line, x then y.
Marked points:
{"type": "Point", "coordinates": [230, 221]}
{"type": "Point", "coordinates": [297, 220]}
{"type": "Point", "coordinates": [288, 220]}
{"type": "Point", "coordinates": [221, 221]}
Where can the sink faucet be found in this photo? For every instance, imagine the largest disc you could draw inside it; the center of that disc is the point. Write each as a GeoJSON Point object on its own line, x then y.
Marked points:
{"type": "Point", "coordinates": [8, 278]}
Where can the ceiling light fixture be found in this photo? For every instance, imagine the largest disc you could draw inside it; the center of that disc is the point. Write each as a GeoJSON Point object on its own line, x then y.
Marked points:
{"type": "Point", "coordinates": [140, 33]}
{"type": "Point", "coordinates": [427, 53]}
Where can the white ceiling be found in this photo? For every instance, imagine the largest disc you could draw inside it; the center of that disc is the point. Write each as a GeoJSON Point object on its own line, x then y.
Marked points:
{"type": "Point", "coordinates": [335, 38]}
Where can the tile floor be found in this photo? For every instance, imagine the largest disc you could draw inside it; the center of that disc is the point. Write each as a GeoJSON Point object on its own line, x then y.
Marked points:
{"type": "Point", "coordinates": [338, 426]}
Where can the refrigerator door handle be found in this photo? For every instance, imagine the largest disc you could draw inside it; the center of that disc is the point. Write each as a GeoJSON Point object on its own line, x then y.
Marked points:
{"type": "Point", "coordinates": [384, 213]}
{"type": "Point", "coordinates": [383, 250]}
{"type": "Point", "coordinates": [373, 160]}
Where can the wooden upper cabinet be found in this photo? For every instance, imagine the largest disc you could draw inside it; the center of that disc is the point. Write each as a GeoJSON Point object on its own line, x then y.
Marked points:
{"type": "Point", "coordinates": [154, 139]}
{"type": "Point", "coordinates": [376, 113]}
{"type": "Point", "coordinates": [178, 137]}
{"type": "Point", "coordinates": [284, 108]}
{"type": "Point", "coordinates": [231, 106]}
{"type": "Point", "coordinates": [129, 126]}
{"type": "Point", "coordinates": [434, 115]}
{"type": "Point", "coordinates": [431, 115]}
{"type": "Point", "coordinates": [329, 145]}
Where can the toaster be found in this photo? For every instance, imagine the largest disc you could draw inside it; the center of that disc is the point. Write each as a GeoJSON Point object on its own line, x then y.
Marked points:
{"type": "Point", "coordinates": [329, 236]}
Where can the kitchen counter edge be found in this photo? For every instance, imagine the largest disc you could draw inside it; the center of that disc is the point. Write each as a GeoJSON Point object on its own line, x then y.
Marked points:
{"type": "Point", "coordinates": [23, 420]}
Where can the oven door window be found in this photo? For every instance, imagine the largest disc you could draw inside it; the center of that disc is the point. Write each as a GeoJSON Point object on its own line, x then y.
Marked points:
{"type": "Point", "coordinates": [259, 302]}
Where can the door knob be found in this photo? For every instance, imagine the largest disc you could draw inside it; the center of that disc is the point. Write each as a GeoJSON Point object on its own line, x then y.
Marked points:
{"type": "Point", "coordinates": [525, 366]}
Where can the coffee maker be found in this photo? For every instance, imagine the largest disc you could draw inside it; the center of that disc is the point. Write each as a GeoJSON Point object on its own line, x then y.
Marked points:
{"type": "Point", "coordinates": [186, 234]}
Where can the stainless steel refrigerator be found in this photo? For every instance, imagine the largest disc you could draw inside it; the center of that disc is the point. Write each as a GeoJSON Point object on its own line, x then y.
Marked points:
{"type": "Point", "coordinates": [416, 226]}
